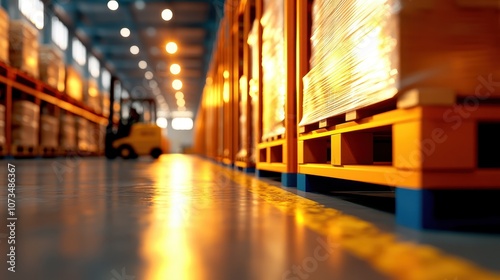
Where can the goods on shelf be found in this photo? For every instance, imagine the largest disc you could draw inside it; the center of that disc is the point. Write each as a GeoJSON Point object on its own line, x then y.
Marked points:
{"type": "Point", "coordinates": [273, 67]}
{"type": "Point", "coordinates": [25, 119]}
{"type": "Point", "coordinates": [23, 47]}
{"type": "Point", "coordinates": [49, 131]}
{"type": "Point", "coordinates": [2, 125]}
{"type": "Point", "coordinates": [254, 85]}
{"type": "Point", "coordinates": [68, 132]}
{"type": "Point", "coordinates": [4, 36]}
{"type": "Point", "coordinates": [105, 103]}
{"type": "Point", "coordinates": [74, 84]}
{"type": "Point", "coordinates": [52, 67]}
{"type": "Point", "coordinates": [82, 132]}
{"type": "Point", "coordinates": [366, 52]}
{"type": "Point", "coordinates": [93, 98]}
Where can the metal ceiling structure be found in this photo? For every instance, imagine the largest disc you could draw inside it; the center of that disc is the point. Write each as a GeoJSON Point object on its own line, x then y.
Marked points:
{"type": "Point", "coordinates": [193, 28]}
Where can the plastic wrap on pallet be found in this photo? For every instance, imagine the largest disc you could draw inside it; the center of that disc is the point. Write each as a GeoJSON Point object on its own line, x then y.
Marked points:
{"type": "Point", "coordinates": [366, 52]}
{"type": "Point", "coordinates": [25, 119]}
{"type": "Point", "coordinates": [68, 132]}
{"type": "Point", "coordinates": [52, 67]}
{"type": "Point", "coordinates": [93, 97]}
{"type": "Point", "coordinates": [4, 36]}
{"type": "Point", "coordinates": [253, 84]}
{"type": "Point", "coordinates": [2, 125]}
{"type": "Point", "coordinates": [243, 152]}
{"type": "Point", "coordinates": [273, 67]}
{"type": "Point", "coordinates": [74, 84]}
{"type": "Point", "coordinates": [49, 131]}
{"type": "Point", "coordinates": [23, 47]}
{"type": "Point", "coordinates": [82, 133]}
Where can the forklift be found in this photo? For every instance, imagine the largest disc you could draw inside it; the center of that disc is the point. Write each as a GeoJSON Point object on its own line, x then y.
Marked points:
{"type": "Point", "coordinates": [139, 135]}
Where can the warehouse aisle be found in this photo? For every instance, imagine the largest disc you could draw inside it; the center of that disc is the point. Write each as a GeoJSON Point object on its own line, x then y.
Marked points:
{"type": "Point", "coordinates": [186, 218]}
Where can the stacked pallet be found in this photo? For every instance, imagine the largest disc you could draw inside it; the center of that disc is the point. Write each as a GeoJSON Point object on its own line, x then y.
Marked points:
{"type": "Point", "coordinates": [25, 125]}
{"type": "Point", "coordinates": [49, 134]}
{"type": "Point", "coordinates": [52, 67]}
{"type": "Point", "coordinates": [273, 67]}
{"type": "Point", "coordinates": [74, 84]}
{"type": "Point", "coordinates": [68, 133]}
{"type": "Point", "coordinates": [4, 36]}
{"type": "Point", "coordinates": [23, 47]}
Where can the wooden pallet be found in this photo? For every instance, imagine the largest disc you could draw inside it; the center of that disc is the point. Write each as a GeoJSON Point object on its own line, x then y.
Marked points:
{"type": "Point", "coordinates": [24, 151]}
{"type": "Point", "coordinates": [417, 148]}
{"type": "Point", "coordinates": [48, 152]}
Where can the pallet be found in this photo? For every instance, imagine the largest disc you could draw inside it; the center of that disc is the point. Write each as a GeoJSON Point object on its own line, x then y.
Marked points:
{"type": "Point", "coordinates": [48, 152]}
{"type": "Point", "coordinates": [244, 166]}
{"type": "Point", "coordinates": [271, 157]}
{"type": "Point", "coordinates": [421, 150]}
{"type": "Point", "coordinates": [24, 151]}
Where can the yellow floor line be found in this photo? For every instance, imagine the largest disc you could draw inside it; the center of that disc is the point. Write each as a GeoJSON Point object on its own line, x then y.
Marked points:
{"type": "Point", "coordinates": [382, 250]}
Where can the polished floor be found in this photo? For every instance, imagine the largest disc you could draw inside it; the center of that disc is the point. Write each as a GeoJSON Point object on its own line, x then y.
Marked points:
{"type": "Point", "coordinates": [183, 217]}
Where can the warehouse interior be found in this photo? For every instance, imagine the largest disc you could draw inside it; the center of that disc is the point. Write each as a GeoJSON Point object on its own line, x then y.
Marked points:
{"type": "Point", "coordinates": [250, 139]}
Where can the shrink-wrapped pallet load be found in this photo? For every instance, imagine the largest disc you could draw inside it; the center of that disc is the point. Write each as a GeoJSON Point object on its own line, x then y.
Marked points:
{"type": "Point", "coordinates": [74, 84]}
{"type": "Point", "coordinates": [93, 98]}
{"type": "Point", "coordinates": [25, 124]}
{"type": "Point", "coordinates": [4, 36]}
{"type": "Point", "coordinates": [52, 67]}
{"type": "Point", "coordinates": [254, 85]}
{"type": "Point", "coordinates": [68, 133]}
{"type": "Point", "coordinates": [82, 132]}
{"type": "Point", "coordinates": [366, 52]}
{"type": "Point", "coordinates": [23, 47]}
{"type": "Point", "coordinates": [273, 67]}
{"type": "Point", "coordinates": [49, 131]}
{"type": "Point", "coordinates": [2, 125]}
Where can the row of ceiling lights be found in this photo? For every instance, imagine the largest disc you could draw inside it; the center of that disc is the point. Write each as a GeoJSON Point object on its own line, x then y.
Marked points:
{"type": "Point", "coordinates": [170, 47]}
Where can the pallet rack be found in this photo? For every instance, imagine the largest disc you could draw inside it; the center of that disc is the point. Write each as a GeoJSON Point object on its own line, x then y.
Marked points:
{"type": "Point", "coordinates": [435, 147]}
{"type": "Point", "coordinates": [279, 154]}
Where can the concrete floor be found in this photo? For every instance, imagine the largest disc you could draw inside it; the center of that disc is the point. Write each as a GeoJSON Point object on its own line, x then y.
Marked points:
{"type": "Point", "coordinates": [186, 218]}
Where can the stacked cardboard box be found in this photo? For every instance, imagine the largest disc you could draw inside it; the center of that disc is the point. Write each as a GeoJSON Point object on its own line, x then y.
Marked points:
{"type": "Point", "coordinates": [25, 124]}
{"type": "Point", "coordinates": [52, 67]}
{"type": "Point", "coordinates": [2, 125]}
{"type": "Point", "coordinates": [4, 36]}
{"type": "Point", "coordinates": [68, 133]}
{"type": "Point", "coordinates": [82, 132]}
{"type": "Point", "coordinates": [49, 131]}
{"type": "Point", "coordinates": [23, 47]}
{"type": "Point", "coordinates": [74, 84]}
{"type": "Point", "coordinates": [93, 97]}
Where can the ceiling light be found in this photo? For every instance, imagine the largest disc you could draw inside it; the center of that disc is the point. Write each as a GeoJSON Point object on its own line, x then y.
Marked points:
{"type": "Point", "coordinates": [113, 5]}
{"type": "Point", "coordinates": [148, 75]}
{"type": "Point", "coordinates": [181, 102]}
{"type": "Point", "coordinates": [125, 32]}
{"type": "Point", "coordinates": [167, 14]}
{"type": "Point", "coordinates": [143, 64]}
{"type": "Point", "coordinates": [162, 122]}
{"type": "Point", "coordinates": [179, 95]}
{"type": "Point", "coordinates": [171, 47]}
{"type": "Point", "coordinates": [177, 84]}
{"type": "Point", "coordinates": [175, 69]}
{"type": "Point", "coordinates": [153, 84]}
{"type": "Point", "coordinates": [134, 49]}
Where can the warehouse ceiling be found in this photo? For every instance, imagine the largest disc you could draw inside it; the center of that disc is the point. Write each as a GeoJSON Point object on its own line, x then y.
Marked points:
{"type": "Point", "coordinates": [193, 26]}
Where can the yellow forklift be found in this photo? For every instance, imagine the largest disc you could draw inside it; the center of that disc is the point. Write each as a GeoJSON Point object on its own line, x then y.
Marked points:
{"type": "Point", "coordinates": [137, 135]}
